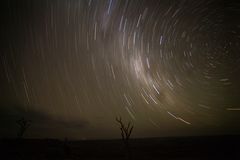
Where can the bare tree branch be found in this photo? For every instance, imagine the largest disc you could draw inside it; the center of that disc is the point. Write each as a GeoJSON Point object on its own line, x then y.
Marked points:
{"type": "Point", "coordinates": [23, 126]}
{"type": "Point", "coordinates": [126, 131]}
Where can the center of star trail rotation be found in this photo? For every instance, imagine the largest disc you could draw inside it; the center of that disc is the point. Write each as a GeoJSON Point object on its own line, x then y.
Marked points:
{"type": "Point", "coordinates": [171, 67]}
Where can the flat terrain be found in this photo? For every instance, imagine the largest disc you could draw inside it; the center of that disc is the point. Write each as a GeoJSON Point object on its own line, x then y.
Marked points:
{"type": "Point", "coordinates": [182, 148]}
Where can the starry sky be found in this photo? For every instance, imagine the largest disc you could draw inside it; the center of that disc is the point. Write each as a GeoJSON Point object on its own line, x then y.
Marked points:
{"type": "Point", "coordinates": [171, 67]}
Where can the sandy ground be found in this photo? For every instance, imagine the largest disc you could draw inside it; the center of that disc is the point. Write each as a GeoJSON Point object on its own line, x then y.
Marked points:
{"type": "Point", "coordinates": [182, 148]}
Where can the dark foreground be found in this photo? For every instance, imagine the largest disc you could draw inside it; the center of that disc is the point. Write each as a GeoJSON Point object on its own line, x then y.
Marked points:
{"type": "Point", "coordinates": [184, 148]}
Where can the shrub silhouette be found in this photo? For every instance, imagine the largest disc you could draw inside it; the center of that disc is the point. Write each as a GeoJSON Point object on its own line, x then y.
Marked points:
{"type": "Point", "coordinates": [125, 133]}
{"type": "Point", "coordinates": [23, 126]}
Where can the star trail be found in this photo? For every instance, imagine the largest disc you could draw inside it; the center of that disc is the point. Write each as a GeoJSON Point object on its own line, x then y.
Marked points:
{"type": "Point", "coordinates": [170, 67]}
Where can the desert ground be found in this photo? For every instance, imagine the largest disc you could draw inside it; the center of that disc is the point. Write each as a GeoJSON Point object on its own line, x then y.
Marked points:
{"type": "Point", "coordinates": [174, 148]}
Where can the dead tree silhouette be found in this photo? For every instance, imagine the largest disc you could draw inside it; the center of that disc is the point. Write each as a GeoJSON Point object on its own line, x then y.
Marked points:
{"type": "Point", "coordinates": [23, 126]}
{"type": "Point", "coordinates": [125, 133]}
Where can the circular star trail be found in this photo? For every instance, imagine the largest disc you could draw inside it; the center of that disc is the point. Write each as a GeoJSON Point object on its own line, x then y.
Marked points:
{"type": "Point", "coordinates": [170, 67]}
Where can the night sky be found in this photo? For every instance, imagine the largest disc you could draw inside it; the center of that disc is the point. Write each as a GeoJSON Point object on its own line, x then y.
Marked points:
{"type": "Point", "coordinates": [171, 67]}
